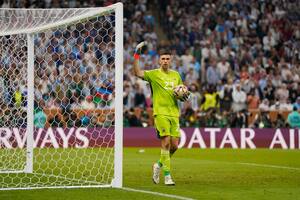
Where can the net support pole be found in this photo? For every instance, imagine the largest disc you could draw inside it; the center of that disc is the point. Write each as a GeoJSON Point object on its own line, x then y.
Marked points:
{"type": "Point", "coordinates": [30, 104]}
{"type": "Point", "coordinates": [118, 157]}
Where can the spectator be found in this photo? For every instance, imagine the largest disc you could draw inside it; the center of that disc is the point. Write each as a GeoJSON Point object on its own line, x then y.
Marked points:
{"type": "Point", "coordinates": [212, 76]}
{"type": "Point", "coordinates": [280, 122]}
{"type": "Point", "coordinates": [191, 77]}
{"type": "Point", "coordinates": [262, 120]}
{"type": "Point", "coordinates": [40, 117]}
{"type": "Point", "coordinates": [244, 75]}
{"type": "Point", "coordinates": [259, 45]}
{"type": "Point", "coordinates": [223, 68]}
{"type": "Point", "coordinates": [223, 120]}
{"type": "Point", "coordinates": [226, 98]}
{"type": "Point", "coordinates": [239, 99]}
{"type": "Point", "coordinates": [85, 120]}
{"type": "Point", "coordinates": [189, 117]}
{"type": "Point", "coordinates": [269, 91]}
{"type": "Point", "coordinates": [210, 118]}
{"type": "Point", "coordinates": [294, 119]}
{"type": "Point", "coordinates": [297, 103]}
{"type": "Point", "coordinates": [268, 42]}
{"type": "Point", "coordinates": [282, 94]}
{"type": "Point", "coordinates": [210, 99]}
{"type": "Point", "coordinates": [139, 98]}
{"type": "Point", "coordinates": [88, 103]}
{"type": "Point", "coordinates": [56, 121]}
{"type": "Point", "coordinates": [6, 4]}
{"type": "Point", "coordinates": [253, 100]}
{"type": "Point", "coordinates": [187, 58]}
{"type": "Point", "coordinates": [133, 120]}
{"type": "Point", "coordinates": [195, 98]}
{"type": "Point", "coordinates": [277, 106]}
{"type": "Point", "coordinates": [197, 51]}
{"type": "Point", "coordinates": [240, 120]}
{"type": "Point", "coordinates": [127, 96]}
{"type": "Point", "coordinates": [293, 92]}
{"type": "Point", "coordinates": [265, 105]}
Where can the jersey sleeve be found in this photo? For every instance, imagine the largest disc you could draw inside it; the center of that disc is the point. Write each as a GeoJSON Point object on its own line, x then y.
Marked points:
{"type": "Point", "coordinates": [148, 75]}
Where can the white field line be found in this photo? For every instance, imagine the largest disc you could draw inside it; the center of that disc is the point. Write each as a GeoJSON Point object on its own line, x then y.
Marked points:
{"type": "Point", "coordinates": [268, 166]}
{"type": "Point", "coordinates": [254, 164]}
{"type": "Point", "coordinates": [11, 172]}
{"type": "Point", "coordinates": [150, 192]}
{"type": "Point", "coordinates": [58, 187]}
{"type": "Point", "coordinates": [101, 186]}
{"type": "Point", "coordinates": [156, 193]}
{"type": "Point", "coordinates": [97, 185]}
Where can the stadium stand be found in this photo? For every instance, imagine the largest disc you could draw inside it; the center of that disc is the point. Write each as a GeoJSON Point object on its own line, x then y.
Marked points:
{"type": "Point", "coordinates": [242, 55]}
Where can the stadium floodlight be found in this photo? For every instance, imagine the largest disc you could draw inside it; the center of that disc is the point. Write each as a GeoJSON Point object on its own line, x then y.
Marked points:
{"type": "Point", "coordinates": [61, 87]}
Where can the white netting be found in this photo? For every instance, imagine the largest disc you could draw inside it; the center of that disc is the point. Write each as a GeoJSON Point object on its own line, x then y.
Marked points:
{"type": "Point", "coordinates": [14, 21]}
{"type": "Point", "coordinates": [74, 97]}
{"type": "Point", "coordinates": [13, 81]}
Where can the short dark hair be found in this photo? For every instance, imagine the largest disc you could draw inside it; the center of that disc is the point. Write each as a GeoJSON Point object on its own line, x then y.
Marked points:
{"type": "Point", "coordinates": [164, 52]}
{"type": "Point", "coordinates": [295, 108]}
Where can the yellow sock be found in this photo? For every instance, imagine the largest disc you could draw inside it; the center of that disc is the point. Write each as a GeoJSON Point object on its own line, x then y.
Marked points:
{"type": "Point", "coordinates": [165, 160]}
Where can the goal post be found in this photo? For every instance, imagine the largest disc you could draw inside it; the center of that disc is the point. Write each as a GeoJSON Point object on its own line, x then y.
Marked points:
{"type": "Point", "coordinates": [61, 98]}
{"type": "Point", "coordinates": [30, 104]}
{"type": "Point", "coordinates": [118, 178]}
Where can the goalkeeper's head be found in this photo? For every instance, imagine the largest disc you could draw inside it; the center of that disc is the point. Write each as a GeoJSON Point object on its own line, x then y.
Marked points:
{"type": "Point", "coordinates": [164, 59]}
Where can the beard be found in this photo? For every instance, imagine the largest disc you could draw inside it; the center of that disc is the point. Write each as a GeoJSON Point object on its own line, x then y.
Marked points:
{"type": "Point", "coordinates": [165, 66]}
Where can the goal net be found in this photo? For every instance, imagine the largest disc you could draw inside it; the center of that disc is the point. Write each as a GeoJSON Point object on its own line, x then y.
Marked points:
{"type": "Point", "coordinates": [61, 97]}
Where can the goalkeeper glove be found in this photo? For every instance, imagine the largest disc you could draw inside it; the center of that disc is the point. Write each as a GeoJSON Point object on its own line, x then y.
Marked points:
{"type": "Point", "coordinates": [185, 96]}
{"type": "Point", "coordinates": [138, 50]}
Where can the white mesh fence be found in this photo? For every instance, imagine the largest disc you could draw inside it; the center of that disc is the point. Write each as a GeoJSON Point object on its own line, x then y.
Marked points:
{"type": "Point", "coordinates": [74, 97]}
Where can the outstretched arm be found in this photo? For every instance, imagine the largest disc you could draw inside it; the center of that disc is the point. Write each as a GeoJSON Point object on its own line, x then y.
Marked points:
{"type": "Point", "coordinates": [136, 67]}
{"type": "Point", "coordinates": [137, 70]}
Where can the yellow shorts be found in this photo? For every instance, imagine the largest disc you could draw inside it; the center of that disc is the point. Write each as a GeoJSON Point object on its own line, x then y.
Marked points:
{"type": "Point", "coordinates": [166, 126]}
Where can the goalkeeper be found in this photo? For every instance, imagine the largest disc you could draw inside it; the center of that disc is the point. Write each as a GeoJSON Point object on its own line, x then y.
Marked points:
{"type": "Point", "coordinates": [165, 108]}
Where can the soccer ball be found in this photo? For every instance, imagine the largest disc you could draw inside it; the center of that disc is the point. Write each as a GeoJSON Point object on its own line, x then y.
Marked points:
{"type": "Point", "coordinates": [180, 91]}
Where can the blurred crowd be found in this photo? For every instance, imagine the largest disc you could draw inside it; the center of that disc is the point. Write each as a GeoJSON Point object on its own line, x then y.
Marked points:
{"type": "Point", "coordinates": [73, 70]}
{"type": "Point", "coordinates": [242, 55]}
{"type": "Point", "coordinates": [234, 56]}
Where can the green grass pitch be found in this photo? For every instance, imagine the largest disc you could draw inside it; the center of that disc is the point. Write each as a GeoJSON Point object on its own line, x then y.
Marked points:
{"type": "Point", "coordinates": [199, 174]}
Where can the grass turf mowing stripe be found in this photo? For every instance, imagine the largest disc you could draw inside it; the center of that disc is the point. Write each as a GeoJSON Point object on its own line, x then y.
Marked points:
{"type": "Point", "coordinates": [157, 193]}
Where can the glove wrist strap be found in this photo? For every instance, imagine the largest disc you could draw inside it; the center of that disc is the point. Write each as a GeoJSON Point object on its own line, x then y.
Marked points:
{"type": "Point", "coordinates": [136, 56]}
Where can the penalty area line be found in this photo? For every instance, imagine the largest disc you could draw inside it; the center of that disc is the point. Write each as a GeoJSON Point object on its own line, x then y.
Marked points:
{"type": "Point", "coordinates": [156, 193]}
